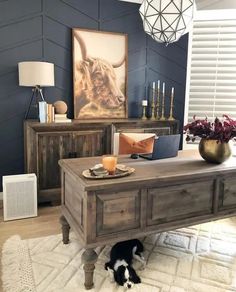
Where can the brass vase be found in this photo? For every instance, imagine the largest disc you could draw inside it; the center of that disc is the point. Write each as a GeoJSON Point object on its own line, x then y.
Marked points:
{"type": "Point", "coordinates": [213, 151]}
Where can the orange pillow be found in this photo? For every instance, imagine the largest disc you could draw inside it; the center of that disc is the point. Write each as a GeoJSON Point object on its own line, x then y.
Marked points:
{"type": "Point", "coordinates": [128, 145]}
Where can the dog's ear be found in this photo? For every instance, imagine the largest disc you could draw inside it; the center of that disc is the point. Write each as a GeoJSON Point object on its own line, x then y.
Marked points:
{"type": "Point", "coordinates": [119, 275]}
{"type": "Point", "coordinates": [134, 277]}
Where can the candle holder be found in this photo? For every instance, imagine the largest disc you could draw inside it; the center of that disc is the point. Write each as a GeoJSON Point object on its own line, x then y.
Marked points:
{"type": "Point", "coordinates": [144, 112]}
{"type": "Point", "coordinates": [158, 105]}
{"type": "Point", "coordinates": [162, 118]}
{"type": "Point", "coordinates": [171, 117]}
{"type": "Point", "coordinates": [153, 106]}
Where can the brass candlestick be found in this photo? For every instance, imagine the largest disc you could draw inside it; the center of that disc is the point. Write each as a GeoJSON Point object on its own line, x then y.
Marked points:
{"type": "Point", "coordinates": [171, 117]}
{"type": "Point", "coordinates": [162, 118]}
{"type": "Point", "coordinates": [144, 105]}
{"type": "Point", "coordinates": [144, 112]}
{"type": "Point", "coordinates": [153, 105]}
{"type": "Point", "coordinates": [158, 104]}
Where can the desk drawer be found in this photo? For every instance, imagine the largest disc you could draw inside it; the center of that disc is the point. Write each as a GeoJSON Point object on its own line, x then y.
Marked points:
{"type": "Point", "coordinates": [171, 203]}
{"type": "Point", "coordinates": [118, 211]}
{"type": "Point", "coordinates": [227, 193]}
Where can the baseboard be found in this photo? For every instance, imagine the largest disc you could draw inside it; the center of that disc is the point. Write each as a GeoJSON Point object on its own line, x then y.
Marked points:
{"type": "Point", "coordinates": [1, 196]}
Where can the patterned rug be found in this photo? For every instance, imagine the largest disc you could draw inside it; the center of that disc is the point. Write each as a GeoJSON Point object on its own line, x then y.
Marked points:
{"type": "Point", "coordinates": [201, 258]}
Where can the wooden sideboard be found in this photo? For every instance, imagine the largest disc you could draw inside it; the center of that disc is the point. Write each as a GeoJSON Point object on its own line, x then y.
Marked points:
{"type": "Point", "coordinates": [45, 144]}
{"type": "Point", "coordinates": [160, 195]}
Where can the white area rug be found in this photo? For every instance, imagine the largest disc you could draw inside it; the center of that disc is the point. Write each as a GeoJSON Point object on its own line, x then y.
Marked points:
{"type": "Point", "coordinates": [197, 259]}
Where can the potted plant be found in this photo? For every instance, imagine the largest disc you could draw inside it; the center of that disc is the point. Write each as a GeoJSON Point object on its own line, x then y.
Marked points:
{"type": "Point", "coordinates": [215, 136]}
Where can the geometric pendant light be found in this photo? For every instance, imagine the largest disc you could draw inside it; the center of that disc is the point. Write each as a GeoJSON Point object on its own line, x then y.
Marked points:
{"type": "Point", "coordinates": [166, 20]}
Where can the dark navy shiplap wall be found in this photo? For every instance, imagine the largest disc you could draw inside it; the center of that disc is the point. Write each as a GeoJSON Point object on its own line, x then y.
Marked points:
{"type": "Point", "coordinates": [41, 30]}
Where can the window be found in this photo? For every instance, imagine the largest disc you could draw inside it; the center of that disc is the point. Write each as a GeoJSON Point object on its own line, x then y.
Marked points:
{"type": "Point", "coordinates": [211, 77]}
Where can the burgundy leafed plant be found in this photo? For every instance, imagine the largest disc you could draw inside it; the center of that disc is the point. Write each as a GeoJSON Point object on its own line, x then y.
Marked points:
{"type": "Point", "coordinates": [220, 130]}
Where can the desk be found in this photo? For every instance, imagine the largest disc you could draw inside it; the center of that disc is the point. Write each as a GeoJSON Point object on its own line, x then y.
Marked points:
{"type": "Point", "coordinates": [161, 195]}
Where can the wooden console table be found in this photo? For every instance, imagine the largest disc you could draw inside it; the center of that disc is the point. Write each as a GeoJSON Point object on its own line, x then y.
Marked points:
{"type": "Point", "coordinates": [161, 195]}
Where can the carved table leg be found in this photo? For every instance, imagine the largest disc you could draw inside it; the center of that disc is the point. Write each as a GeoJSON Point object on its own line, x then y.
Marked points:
{"type": "Point", "coordinates": [65, 229]}
{"type": "Point", "coordinates": [89, 258]}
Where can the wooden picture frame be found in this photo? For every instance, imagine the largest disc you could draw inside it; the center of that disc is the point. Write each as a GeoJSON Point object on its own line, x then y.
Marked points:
{"type": "Point", "coordinates": [100, 61]}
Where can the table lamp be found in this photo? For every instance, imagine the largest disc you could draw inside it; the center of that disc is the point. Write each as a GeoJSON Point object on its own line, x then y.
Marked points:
{"type": "Point", "coordinates": [36, 74]}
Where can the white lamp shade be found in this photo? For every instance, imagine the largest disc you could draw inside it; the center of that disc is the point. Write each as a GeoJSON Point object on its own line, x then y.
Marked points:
{"type": "Point", "coordinates": [36, 73]}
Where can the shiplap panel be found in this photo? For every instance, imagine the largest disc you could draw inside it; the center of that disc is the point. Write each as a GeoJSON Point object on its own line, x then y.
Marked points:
{"type": "Point", "coordinates": [84, 6]}
{"type": "Point", "coordinates": [58, 33]}
{"type": "Point", "coordinates": [111, 9]}
{"type": "Point", "coordinates": [175, 72]}
{"type": "Point", "coordinates": [9, 35]}
{"type": "Point", "coordinates": [67, 15]}
{"type": "Point", "coordinates": [62, 58]}
{"type": "Point", "coordinates": [136, 41]}
{"type": "Point", "coordinates": [10, 58]}
{"type": "Point", "coordinates": [129, 23]}
{"type": "Point", "coordinates": [14, 103]}
{"type": "Point", "coordinates": [136, 60]}
{"type": "Point", "coordinates": [172, 52]}
{"type": "Point", "coordinates": [8, 84]}
{"type": "Point", "coordinates": [13, 10]}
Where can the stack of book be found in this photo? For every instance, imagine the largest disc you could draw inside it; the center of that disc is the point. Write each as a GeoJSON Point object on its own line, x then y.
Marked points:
{"type": "Point", "coordinates": [47, 114]}
{"type": "Point", "coordinates": [61, 118]}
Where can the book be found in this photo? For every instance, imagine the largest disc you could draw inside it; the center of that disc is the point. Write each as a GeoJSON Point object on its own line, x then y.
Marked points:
{"type": "Point", "coordinates": [49, 113]}
{"type": "Point", "coordinates": [61, 116]}
{"type": "Point", "coordinates": [42, 111]}
{"type": "Point", "coordinates": [62, 121]}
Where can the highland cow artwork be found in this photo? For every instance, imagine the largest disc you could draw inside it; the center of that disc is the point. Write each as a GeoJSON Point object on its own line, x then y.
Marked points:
{"type": "Point", "coordinates": [99, 74]}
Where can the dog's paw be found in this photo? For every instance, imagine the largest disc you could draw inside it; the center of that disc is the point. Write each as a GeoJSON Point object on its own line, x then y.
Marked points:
{"type": "Point", "coordinates": [143, 266]}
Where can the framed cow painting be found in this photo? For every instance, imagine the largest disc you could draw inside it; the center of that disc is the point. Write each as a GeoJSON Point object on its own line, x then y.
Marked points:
{"type": "Point", "coordinates": [99, 74]}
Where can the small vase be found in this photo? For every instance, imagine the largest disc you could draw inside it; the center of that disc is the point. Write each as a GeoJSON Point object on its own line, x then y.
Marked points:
{"type": "Point", "coordinates": [214, 151]}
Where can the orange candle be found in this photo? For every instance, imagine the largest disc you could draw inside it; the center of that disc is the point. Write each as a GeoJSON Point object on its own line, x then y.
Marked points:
{"type": "Point", "coordinates": [109, 163]}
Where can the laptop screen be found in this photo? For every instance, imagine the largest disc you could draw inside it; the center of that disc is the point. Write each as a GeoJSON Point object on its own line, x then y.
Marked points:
{"type": "Point", "coordinates": [166, 146]}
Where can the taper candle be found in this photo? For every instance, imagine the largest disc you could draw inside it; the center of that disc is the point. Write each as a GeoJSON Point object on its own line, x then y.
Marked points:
{"type": "Point", "coordinates": [163, 88]}
{"type": "Point", "coordinates": [172, 96]}
{"type": "Point", "coordinates": [158, 85]}
{"type": "Point", "coordinates": [144, 102]}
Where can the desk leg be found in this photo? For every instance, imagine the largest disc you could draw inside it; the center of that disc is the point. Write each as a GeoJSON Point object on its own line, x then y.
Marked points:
{"type": "Point", "coordinates": [89, 258]}
{"type": "Point", "coordinates": [65, 229]}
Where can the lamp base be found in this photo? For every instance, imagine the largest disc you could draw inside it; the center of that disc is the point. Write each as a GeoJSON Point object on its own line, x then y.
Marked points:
{"type": "Point", "coordinates": [37, 95]}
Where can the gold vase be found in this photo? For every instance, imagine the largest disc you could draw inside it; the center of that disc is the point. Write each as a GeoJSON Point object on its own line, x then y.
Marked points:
{"type": "Point", "coordinates": [213, 151]}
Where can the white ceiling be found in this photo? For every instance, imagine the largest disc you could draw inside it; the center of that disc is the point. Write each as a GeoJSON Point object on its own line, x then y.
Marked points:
{"type": "Point", "coordinates": [205, 4]}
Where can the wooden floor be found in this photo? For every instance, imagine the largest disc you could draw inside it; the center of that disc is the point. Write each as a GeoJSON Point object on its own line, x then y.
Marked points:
{"type": "Point", "coordinates": [47, 223]}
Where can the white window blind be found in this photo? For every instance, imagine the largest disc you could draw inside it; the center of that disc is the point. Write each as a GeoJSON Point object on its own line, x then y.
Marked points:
{"type": "Point", "coordinates": [212, 72]}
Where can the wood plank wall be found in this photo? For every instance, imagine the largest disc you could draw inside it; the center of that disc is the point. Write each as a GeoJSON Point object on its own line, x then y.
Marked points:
{"type": "Point", "coordinates": [41, 30]}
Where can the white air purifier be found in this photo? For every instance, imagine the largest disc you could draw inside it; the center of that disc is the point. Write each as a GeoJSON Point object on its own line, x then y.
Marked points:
{"type": "Point", "coordinates": [19, 196]}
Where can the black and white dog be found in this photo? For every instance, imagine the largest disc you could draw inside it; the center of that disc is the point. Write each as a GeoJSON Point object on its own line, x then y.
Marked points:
{"type": "Point", "coordinates": [120, 266]}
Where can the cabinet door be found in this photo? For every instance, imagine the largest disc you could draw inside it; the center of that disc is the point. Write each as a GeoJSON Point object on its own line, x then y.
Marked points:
{"type": "Point", "coordinates": [51, 148]}
{"type": "Point", "coordinates": [88, 143]}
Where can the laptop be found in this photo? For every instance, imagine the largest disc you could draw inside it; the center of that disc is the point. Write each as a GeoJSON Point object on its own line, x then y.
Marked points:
{"type": "Point", "coordinates": [163, 147]}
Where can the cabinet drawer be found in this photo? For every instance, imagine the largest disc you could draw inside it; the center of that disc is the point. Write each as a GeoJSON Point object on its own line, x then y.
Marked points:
{"type": "Point", "coordinates": [117, 212]}
{"type": "Point", "coordinates": [227, 193]}
{"type": "Point", "coordinates": [171, 203]}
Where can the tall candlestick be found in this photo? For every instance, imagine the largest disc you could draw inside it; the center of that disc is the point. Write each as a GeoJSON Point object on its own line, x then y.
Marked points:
{"type": "Point", "coordinates": [158, 100]}
{"type": "Point", "coordinates": [163, 103]}
{"type": "Point", "coordinates": [153, 101]}
{"type": "Point", "coordinates": [171, 118]}
{"type": "Point", "coordinates": [144, 105]}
